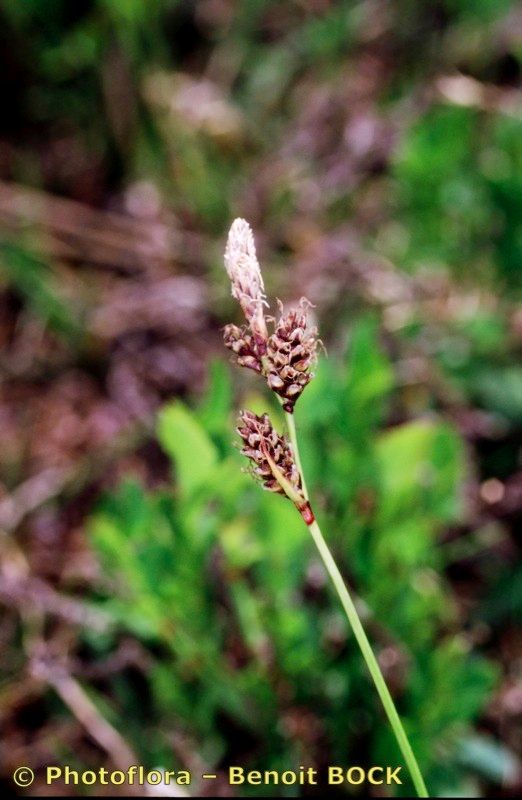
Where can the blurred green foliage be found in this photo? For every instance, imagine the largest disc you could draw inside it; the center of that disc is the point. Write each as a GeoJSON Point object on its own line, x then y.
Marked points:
{"type": "Point", "coordinates": [221, 581]}
{"type": "Point", "coordinates": [34, 281]}
{"type": "Point", "coordinates": [250, 656]}
{"type": "Point", "coordinates": [459, 186]}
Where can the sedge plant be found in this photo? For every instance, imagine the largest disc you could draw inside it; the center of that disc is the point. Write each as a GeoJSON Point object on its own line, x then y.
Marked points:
{"type": "Point", "coordinates": [284, 357]}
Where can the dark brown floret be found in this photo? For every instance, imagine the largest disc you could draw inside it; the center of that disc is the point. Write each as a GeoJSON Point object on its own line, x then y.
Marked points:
{"type": "Point", "coordinates": [261, 443]}
{"type": "Point", "coordinates": [242, 344]}
{"type": "Point", "coordinates": [291, 351]}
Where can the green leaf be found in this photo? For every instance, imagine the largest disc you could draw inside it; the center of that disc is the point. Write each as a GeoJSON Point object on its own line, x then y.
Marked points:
{"type": "Point", "coordinates": [500, 390]}
{"type": "Point", "coordinates": [421, 467]}
{"type": "Point", "coordinates": [214, 411]}
{"type": "Point", "coordinates": [489, 758]}
{"type": "Point", "coordinates": [186, 443]}
{"type": "Point", "coordinates": [369, 380]}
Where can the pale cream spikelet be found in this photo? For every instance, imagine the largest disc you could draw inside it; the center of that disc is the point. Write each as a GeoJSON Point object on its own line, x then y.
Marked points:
{"type": "Point", "coordinates": [245, 276]}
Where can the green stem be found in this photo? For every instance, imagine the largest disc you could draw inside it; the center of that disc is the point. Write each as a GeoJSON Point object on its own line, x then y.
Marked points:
{"type": "Point", "coordinates": [360, 635]}
{"type": "Point", "coordinates": [290, 423]}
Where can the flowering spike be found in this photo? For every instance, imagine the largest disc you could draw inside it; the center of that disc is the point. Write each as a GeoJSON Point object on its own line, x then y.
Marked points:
{"type": "Point", "coordinates": [245, 275]}
{"type": "Point", "coordinates": [291, 351]}
{"type": "Point", "coordinates": [272, 458]}
{"type": "Point", "coordinates": [285, 357]}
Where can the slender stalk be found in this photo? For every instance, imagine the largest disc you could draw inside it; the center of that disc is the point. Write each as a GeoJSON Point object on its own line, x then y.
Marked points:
{"type": "Point", "coordinates": [290, 423]}
{"type": "Point", "coordinates": [360, 635]}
